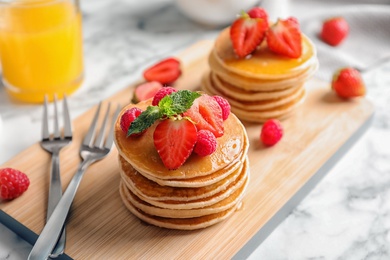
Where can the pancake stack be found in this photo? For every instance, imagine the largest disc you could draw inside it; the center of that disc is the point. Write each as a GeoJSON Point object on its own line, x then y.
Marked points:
{"type": "Point", "coordinates": [262, 86]}
{"type": "Point", "coordinates": [200, 193]}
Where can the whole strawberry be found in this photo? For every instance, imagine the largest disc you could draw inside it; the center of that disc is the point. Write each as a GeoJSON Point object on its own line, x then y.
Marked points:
{"type": "Point", "coordinates": [12, 183]}
{"type": "Point", "coordinates": [271, 132]}
{"type": "Point", "coordinates": [348, 83]}
{"type": "Point", "coordinates": [334, 31]}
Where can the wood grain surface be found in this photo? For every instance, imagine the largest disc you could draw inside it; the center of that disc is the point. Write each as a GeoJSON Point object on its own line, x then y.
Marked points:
{"type": "Point", "coordinates": [100, 227]}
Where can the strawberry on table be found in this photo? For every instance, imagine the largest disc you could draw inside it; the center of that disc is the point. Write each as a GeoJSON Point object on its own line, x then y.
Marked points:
{"type": "Point", "coordinates": [174, 140]}
{"type": "Point", "coordinates": [166, 71]}
{"type": "Point", "coordinates": [284, 38]}
{"type": "Point", "coordinates": [334, 30]}
{"type": "Point", "coordinates": [146, 90]}
{"type": "Point", "coordinates": [247, 33]}
{"type": "Point", "coordinates": [348, 83]}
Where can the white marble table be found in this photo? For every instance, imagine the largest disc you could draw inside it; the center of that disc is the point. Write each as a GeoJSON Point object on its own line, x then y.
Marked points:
{"type": "Point", "coordinates": [345, 217]}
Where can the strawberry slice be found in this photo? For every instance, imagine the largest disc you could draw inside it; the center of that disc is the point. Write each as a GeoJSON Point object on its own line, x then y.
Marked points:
{"type": "Point", "coordinates": [166, 71]}
{"type": "Point", "coordinates": [207, 115]}
{"type": "Point", "coordinates": [146, 90]}
{"type": "Point", "coordinates": [284, 38]}
{"type": "Point", "coordinates": [174, 140]}
{"type": "Point", "coordinates": [247, 33]}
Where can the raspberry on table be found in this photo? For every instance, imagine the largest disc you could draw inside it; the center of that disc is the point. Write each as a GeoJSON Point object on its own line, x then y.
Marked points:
{"type": "Point", "coordinates": [12, 183]}
{"type": "Point", "coordinates": [271, 132]}
{"type": "Point", "coordinates": [225, 106]}
{"type": "Point", "coordinates": [206, 143]}
{"type": "Point", "coordinates": [128, 117]}
{"type": "Point", "coordinates": [161, 94]}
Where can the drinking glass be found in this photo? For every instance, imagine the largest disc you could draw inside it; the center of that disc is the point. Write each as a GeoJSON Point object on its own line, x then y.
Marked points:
{"type": "Point", "coordinates": [40, 48]}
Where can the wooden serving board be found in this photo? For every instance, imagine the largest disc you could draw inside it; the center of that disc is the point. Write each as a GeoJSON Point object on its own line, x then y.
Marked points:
{"type": "Point", "coordinates": [99, 226]}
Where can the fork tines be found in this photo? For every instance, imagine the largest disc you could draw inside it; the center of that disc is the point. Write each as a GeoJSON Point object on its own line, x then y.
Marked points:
{"type": "Point", "coordinates": [67, 128]}
{"type": "Point", "coordinates": [90, 140]}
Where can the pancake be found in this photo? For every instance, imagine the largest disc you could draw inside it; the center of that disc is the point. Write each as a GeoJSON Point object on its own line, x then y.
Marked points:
{"type": "Point", "coordinates": [186, 219]}
{"type": "Point", "coordinates": [153, 191]}
{"type": "Point", "coordinates": [209, 87]}
{"type": "Point", "coordinates": [263, 63]}
{"type": "Point", "coordinates": [220, 206]}
{"type": "Point", "coordinates": [178, 223]}
{"type": "Point", "coordinates": [201, 180]}
{"type": "Point", "coordinates": [237, 93]}
{"type": "Point", "coordinates": [260, 84]}
{"type": "Point", "coordinates": [198, 203]}
{"type": "Point", "coordinates": [276, 113]}
{"type": "Point", "coordinates": [142, 155]}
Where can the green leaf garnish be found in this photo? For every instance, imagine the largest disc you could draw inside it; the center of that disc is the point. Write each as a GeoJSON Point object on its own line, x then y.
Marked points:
{"type": "Point", "coordinates": [145, 120]}
{"type": "Point", "coordinates": [171, 105]}
{"type": "Point", "coordinates": [177, 102]}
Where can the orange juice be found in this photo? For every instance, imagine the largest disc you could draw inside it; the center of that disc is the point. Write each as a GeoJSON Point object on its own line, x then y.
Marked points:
{"type": "Point", "coordinates": [40, 48]}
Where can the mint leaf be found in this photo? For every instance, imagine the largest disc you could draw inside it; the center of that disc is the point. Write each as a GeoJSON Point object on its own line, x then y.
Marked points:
{"type": "Point", "coordinates": [145, 120]}
{"type": "Point", "coordinates": [177, 102]}
{"type": "Point", "coordinates": [171, 105]}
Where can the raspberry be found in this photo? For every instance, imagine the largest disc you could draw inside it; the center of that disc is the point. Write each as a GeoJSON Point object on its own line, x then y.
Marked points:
{"type": "Point", "coordinates": [258, 12]}
{"type": "Point", "coordinates": [225, 106]}
{"type": "Point", "coordinates": [206, 143]}
{"type": "Point", "coordinates": [12, 183]}
{"type": "Point", "coordinates": [128, 117]}
{"type": "Point", "coordinates": [161, 94]}
{"type": "Point", "coordinates": [271, 132]}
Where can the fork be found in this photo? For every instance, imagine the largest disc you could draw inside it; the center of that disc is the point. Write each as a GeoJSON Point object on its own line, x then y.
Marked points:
{"type": "Point", "coordinates": [53, 144]}
{"type": "Point", "coordinates": [90, 151]}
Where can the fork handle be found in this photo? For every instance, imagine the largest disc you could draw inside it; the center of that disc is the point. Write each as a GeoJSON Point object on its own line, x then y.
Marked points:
{"type": "Point", "coordinates": [52, 230]}
{"type": "Point", "coordinates": [55, 194]}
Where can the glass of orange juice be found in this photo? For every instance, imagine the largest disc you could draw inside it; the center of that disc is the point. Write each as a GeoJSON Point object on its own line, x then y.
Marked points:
{"type": "Point", "coordinates": [40, 48]}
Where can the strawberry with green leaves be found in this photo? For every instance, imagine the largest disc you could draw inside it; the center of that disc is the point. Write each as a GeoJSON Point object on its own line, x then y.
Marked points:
{"type": "Point", "coordinates": [175, 134]}
{"type": "Point", "coordinates": [170, 106]}
{"type": "Point", "coordinates": [284, 38]}
{"type": "Point", "coordinates": [246, 33]}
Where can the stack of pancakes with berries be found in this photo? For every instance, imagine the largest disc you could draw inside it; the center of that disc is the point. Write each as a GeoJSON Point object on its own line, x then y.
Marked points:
{"type": "Point", "coordinates": [182, 158]}
{"type": "Point", "coordinates": [261, 69]}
